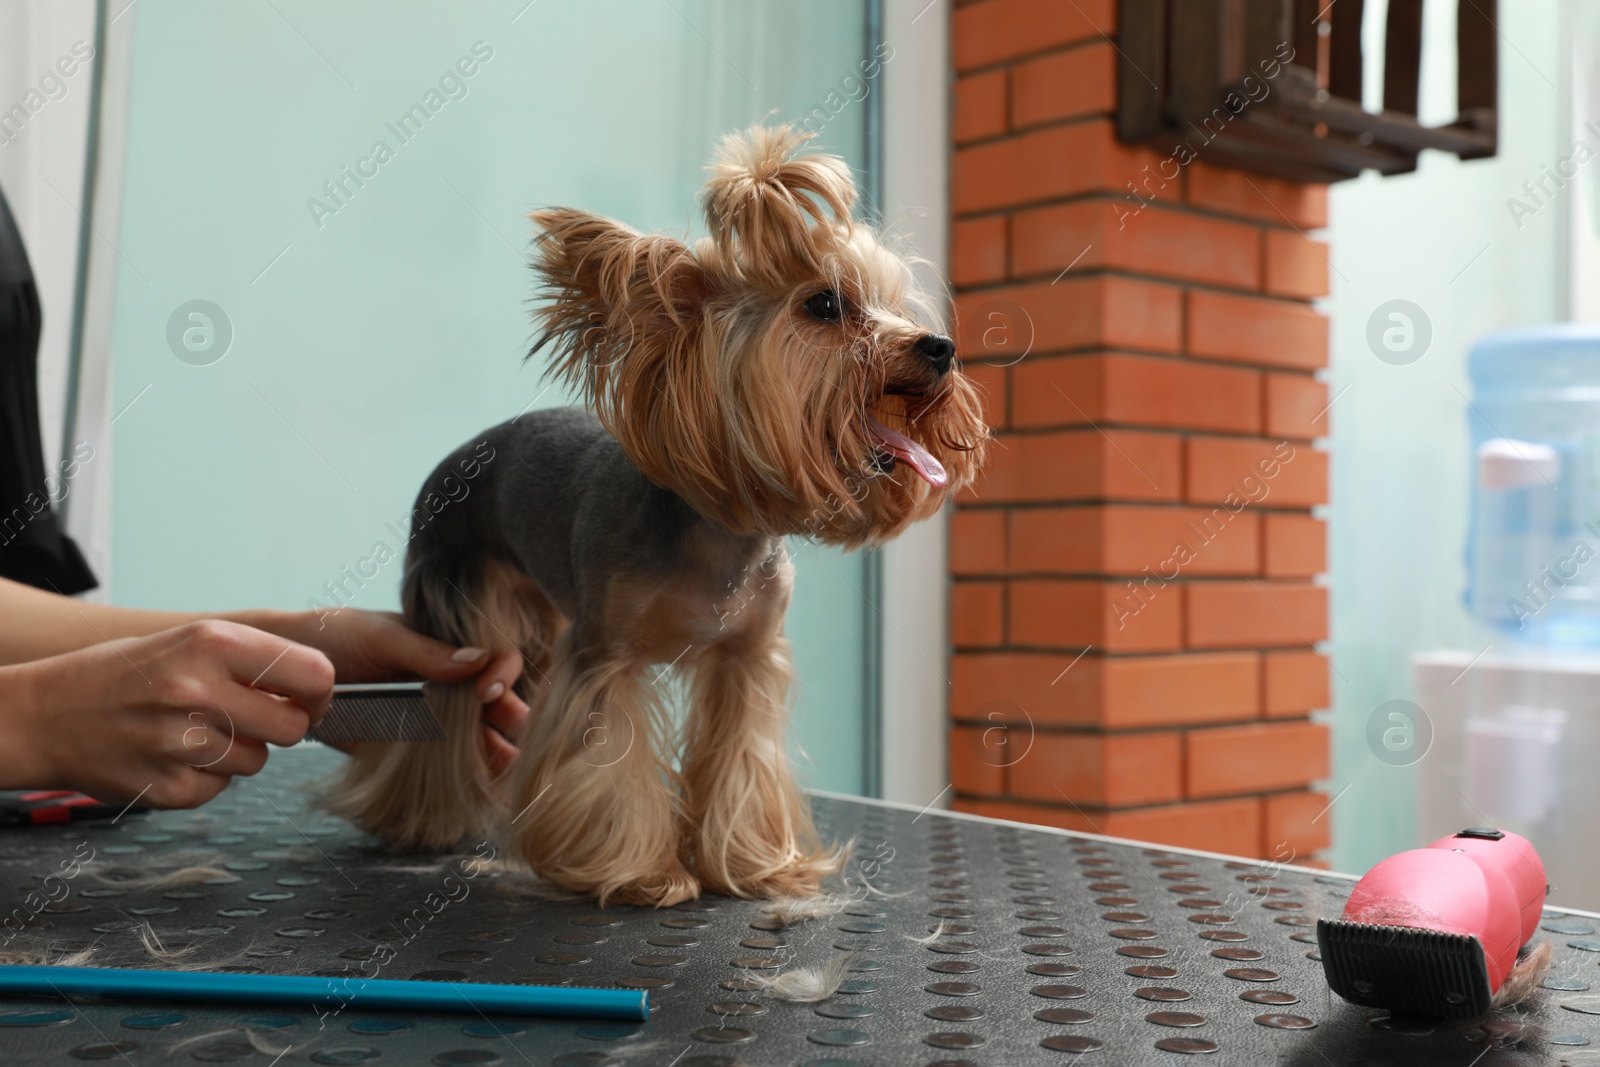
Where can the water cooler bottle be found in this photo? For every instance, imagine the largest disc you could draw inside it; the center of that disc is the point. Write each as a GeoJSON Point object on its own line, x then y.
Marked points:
{"type": "Point", "coordinates": [1516, 720]}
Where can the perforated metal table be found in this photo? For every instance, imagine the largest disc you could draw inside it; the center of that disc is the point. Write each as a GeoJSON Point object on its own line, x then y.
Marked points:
{"type": "Point", "coordinates": [1051, 948]}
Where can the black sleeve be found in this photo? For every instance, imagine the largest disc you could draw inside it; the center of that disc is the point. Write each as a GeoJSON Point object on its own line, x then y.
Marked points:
{"type": "Point", "coordinates": [32, 547]}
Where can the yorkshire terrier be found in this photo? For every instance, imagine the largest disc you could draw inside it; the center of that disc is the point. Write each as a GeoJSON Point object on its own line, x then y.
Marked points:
{"type": "Point", "coordinates": [767, 381]}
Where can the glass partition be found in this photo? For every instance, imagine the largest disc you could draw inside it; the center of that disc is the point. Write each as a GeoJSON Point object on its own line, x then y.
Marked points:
{"type": "Point", "coordinates": [322, 283]}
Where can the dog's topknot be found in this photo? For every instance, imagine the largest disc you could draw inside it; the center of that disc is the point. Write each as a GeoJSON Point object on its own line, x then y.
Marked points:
{"type": "Point", "coordinates": [769, 208]}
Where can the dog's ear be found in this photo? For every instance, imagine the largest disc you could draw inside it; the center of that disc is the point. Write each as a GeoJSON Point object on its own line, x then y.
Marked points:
{"type": "Point", "coordinates": [773, 211]}
{"type": "Point", "coordinates": [618, 303]}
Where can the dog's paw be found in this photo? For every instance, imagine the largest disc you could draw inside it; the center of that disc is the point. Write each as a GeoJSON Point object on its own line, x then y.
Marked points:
{"type": "Point", "coordinates": [802, 876]}
{"type": "Point", "coordinates": [669, 887]}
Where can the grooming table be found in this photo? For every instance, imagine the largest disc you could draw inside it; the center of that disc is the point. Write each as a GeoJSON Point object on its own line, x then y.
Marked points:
{"type": "Point", "coordinates": [1053, 948]}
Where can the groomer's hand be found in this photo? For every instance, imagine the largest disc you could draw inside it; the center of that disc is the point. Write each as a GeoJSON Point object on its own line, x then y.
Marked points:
{"type": "Point", "coordinates": [167, 718]}
{"type": "Point", "coordinates": [376, 646]}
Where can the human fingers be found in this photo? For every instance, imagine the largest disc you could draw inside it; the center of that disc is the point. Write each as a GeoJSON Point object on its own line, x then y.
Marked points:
{"type": "Point", "coordinates": [259, 660]}
{"type": "Point", "coordinates": [257, 716]}
{"type": "Point", "coordinates": [498, 753]}
{"type": "Point", "coordinates": [180, 786]}
{"type": "Point", "coordinates": [500, 676]}
{"type": "Point", "coordinates": [378, 646]}
{"type": "Point", "coordinates": [395, 650]}
{"type": "Point", "coordinates": [221, 749]}
{"type": "Point", "coordinates": [244, 758]}
{"type": "Point", "coordinates": [508, 714]}
{"type": "Point", "coordinates": [215, 708]}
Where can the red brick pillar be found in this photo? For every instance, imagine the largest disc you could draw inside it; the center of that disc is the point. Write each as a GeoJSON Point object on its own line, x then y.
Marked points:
{"type": "Point", "coordinates": [1149, 498]}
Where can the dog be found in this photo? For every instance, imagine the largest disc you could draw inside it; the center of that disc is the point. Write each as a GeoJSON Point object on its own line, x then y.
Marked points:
{"type": "Point", "coordinates": [767, 381]}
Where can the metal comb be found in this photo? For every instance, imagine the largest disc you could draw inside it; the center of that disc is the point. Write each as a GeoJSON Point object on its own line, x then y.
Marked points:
{"type": "Point", "coordinates": [390, 711]}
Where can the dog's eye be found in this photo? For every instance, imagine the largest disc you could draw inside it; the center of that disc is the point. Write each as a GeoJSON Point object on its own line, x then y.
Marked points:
{"type": "Point", "coordinates": [825, 306]}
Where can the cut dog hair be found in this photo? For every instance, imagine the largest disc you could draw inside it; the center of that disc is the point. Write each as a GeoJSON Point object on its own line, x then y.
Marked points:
{"type": "Point", "coordinates": [767, 381]}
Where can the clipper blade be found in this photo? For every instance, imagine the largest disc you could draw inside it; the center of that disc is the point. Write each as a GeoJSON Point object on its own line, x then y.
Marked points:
{"type": "Point", "coordinates": [1407, 970]}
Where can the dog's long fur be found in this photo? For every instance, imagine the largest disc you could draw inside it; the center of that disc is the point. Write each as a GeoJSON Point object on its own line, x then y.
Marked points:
{"type": "Point", "coordinates": [609, 546]}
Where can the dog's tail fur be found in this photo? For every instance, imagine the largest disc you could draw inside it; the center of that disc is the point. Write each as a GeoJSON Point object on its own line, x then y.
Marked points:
{"type": "Point", "coordinates": [431, 795]}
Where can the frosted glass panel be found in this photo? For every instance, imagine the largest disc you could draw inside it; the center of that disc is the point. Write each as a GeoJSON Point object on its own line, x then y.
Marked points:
{"type": "Point", "coordinates": [1402, 459]}
{"type": "Point", "coordinates": [348, 184]}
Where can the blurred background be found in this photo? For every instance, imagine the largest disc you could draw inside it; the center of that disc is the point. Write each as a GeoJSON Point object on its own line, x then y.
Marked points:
{"type": "Point", "coordinates": [262, 330]}
{"type": "Point", "coordinates": [342, 194]}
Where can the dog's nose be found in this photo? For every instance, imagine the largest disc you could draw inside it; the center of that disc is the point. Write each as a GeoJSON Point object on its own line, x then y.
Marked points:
{"type": "Point", "coordinates": [937, 349]}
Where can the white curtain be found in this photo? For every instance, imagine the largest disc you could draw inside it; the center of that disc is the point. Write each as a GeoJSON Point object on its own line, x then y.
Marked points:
{"type": "Point", "coordinates": [1585, 132]}
{"type": "Point", "coordinates": [43, 123]}
{"type": "Point", "coordinates": [47, 66]}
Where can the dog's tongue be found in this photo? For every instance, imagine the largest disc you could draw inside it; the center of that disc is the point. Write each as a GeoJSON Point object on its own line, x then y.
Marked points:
{"type": "Point", "coordinates": [908, 451]}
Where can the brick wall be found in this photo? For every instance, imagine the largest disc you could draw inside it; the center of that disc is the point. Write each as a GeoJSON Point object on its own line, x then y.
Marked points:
{"type": "Point", "coordinates": [1166, 398]}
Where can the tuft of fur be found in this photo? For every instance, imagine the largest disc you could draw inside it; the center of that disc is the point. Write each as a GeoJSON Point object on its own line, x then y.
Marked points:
{"type": "Point", "coordinates": [290, 854]}
{"type": "Point", "coordinates": [174, 957]}
{"type": "Point", "coordinates": [792, 910]}
{"type": "Point", "coordinates": [1533, 963]}
{"type": "Point", "coordinates": [935, 934]}
{"type": "Point", "coordinates": [180, 957]}
{"type": "Point", "coordinates": [258, 1041]}
{"type": "Point", "coordinates": [47, 956]}
{"type": "Point", "coordinates": [158, 949]}
{"type": "Point", "coordinates": [132, 878]}
{"type": "Point", "coordinates": [808, 985]}
{"type": "Point", "coordinates": [770, 209]}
